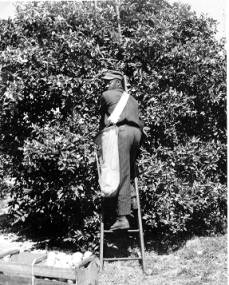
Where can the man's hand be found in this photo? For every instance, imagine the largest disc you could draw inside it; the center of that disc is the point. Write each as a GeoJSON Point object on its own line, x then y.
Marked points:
{"type": "Point", "coordinates": [145, 130]}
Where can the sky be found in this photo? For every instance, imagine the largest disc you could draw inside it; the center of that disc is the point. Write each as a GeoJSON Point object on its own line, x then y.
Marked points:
{"type": "Point", "coordinates": [213, 8]}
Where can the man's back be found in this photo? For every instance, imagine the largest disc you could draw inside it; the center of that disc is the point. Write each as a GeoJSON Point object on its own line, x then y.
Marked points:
{"type": "Point", "coordinates": [130, 114]}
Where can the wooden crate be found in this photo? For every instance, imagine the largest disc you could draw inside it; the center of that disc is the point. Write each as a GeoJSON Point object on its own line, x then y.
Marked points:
{"type": "Point", "coordinates": [26, 268]}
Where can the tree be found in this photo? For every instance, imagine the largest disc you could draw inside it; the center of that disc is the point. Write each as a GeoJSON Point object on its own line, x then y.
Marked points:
{"type": "Point", "coordinates": [52, 55]}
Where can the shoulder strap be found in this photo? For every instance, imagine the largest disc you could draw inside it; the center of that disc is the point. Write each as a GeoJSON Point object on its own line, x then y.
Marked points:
{"type": "Point", "coordinates": [114, 116]}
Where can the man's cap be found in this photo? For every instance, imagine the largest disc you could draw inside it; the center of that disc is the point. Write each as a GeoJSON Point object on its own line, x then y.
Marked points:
{"type": "Point", "coordinates": [112, 74]}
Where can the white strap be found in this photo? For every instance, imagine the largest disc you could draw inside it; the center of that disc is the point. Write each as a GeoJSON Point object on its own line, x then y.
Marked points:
{"type": "Point", "coordinates": [114, 117]}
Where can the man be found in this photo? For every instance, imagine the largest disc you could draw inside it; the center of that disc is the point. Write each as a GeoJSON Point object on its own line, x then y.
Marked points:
{"type": "Point", "coordinates": [129, 136]}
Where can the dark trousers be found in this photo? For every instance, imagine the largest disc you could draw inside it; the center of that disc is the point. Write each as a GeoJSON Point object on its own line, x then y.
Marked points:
{"type": "Point", "coordinates": [128, 143]}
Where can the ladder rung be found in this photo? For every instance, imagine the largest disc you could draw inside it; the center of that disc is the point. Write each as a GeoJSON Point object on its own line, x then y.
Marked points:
{"type": "Point", "coordinates": [129, 231]}
{"type": "Point", "coordinates": [122, 258]}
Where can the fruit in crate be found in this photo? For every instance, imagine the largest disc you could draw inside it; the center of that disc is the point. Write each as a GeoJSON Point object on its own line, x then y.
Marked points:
{"type": "Point", "coordinates": [77, 258]}
{"type": "Point", "coordinates": [63, 260]}
{"type": "Point", "coordinates": [87, 254]}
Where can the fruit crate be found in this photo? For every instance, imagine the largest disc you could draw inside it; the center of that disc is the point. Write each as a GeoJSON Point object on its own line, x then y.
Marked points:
{"type": "Point", "coordinates": [28, 268]}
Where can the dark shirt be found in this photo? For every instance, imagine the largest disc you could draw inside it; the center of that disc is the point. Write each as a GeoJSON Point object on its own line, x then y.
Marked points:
{"type": "Point", "coordinates": [130, 114]}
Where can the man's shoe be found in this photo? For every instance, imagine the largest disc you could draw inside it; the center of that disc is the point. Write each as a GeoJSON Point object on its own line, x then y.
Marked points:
{"type": "Point", "coordinates": [120, 224]}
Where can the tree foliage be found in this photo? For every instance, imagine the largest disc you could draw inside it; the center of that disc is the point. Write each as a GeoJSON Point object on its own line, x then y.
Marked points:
{"type": "Point", "coordinates": [52, 55]}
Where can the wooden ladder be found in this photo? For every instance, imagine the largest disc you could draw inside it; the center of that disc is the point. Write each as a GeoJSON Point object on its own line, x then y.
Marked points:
{"type": "Point", "coordinates": [138, 230]}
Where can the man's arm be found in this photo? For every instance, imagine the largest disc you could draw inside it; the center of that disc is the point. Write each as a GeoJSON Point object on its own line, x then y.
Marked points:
{"type": "Point", "coordinates": [102, 112]}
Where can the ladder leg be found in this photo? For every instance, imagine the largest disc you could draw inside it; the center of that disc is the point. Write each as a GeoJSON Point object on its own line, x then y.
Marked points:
{"type": "Point", "coordinates": [140, 225]}
{"type": "Point", "coordinates": [101, 238]}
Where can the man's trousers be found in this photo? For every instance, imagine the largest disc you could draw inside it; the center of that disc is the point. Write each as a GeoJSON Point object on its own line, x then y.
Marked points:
{"type": "Point", "coordinates": [128, 144]}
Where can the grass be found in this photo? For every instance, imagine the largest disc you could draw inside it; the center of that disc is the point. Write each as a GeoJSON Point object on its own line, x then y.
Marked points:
{"type": "Point", "coordinates": [200, 261]}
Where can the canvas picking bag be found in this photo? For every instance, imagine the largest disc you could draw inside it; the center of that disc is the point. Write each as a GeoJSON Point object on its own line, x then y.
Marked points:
{"type": "Point", "coordinates": [108, 160]}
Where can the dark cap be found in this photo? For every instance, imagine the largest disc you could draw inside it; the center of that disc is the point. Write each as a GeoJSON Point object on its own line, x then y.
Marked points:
{"type": "Point", "coordinates": [112, 74]}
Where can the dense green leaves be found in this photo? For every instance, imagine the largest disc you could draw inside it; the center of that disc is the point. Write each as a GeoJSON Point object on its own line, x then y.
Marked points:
{"type": "Point", "coordinates": [52, 55]}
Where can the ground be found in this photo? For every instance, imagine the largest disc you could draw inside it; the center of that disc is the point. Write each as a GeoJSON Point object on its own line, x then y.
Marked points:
{"type": "Point", "coordinates": [201, 261]}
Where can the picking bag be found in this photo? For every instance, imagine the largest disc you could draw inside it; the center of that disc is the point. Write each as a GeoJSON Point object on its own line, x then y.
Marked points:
{"type": "Point", "coordinates": [108, 161]}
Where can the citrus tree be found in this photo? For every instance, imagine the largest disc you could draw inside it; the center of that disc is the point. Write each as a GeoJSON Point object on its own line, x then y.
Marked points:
{"type": "Point", "coordinates": [52, 56]}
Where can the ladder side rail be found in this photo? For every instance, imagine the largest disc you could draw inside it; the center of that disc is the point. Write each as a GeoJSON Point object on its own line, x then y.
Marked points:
{"type": "Point", "coordinates": [140, 224]}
